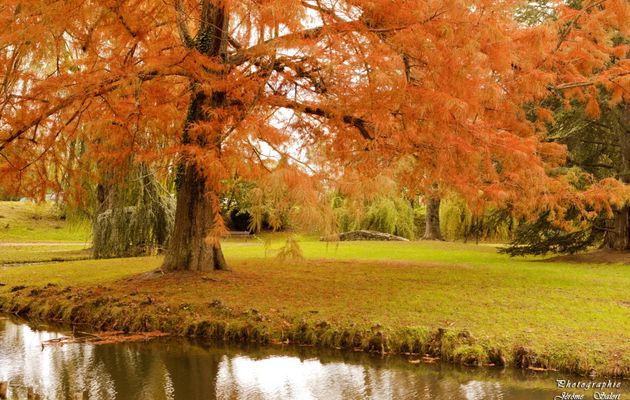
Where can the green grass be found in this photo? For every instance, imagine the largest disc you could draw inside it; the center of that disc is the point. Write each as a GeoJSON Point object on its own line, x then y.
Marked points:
{"type": "Point", "coordinates": [16, 254]}
{"type": "Point", "coordinates": [268, 245]}
{"type": "Point", "coordinates": [577, 315]}
{"type": "Point", "coordinates": [75, 273]}
{"type": "Point", "coordinates": [529, 301]}
{"type": "Point", "coordinates": [28, 222]}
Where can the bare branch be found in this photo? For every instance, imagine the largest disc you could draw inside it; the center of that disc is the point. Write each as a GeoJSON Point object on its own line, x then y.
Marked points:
{"type": "Point", "coordinates": [586, 83]}
{"type": "Point", "coordinates": [258, 155]}
{"type": "Point", "coordinates": [359, 123]}
{"type": "Point", "coordinates": [308, 34]}
{"type": "Point", "coordinates": [234, 43]}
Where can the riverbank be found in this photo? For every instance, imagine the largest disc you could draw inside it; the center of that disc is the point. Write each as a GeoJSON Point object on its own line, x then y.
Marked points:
{"type": "Point", "coordinates": [461, 304]}
{"type": "Point", "coordinates": [181, 368]}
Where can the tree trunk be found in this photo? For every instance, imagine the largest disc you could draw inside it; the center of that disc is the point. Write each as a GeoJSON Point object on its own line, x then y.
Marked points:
{"type": "Point", "coordinates": [432, 227]}
{"type": "Point", "coordinates": [618, 237]}
{"type": "Point", "coordinates": [189, 247]}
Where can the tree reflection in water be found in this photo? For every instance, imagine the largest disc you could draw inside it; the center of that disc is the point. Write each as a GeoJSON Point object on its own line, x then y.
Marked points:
{"type": "Point", "coordinates": [182, 369]}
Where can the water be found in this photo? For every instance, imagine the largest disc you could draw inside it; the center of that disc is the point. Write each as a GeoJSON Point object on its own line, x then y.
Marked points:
{"type": "Point", "coordinates": [182, 369]}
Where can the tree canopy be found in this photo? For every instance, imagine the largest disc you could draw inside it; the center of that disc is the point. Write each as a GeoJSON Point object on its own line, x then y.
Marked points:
{"type": "Point", "coordinates": [429, 92]}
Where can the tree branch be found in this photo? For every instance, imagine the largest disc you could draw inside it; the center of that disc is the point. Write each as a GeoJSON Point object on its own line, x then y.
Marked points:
{"type": "Point", "coordinates": [108, 85]}
{"type": "Point", "coordinates": [586, 83]}
{"type": "Point", "coordinates": [184, 34]}
{"type": "Point", "coordinates": [234, 43]}
{"type": "Point", "coordinates": [359, 123]}
{"type": "Point", "coordinates": [308, 34]}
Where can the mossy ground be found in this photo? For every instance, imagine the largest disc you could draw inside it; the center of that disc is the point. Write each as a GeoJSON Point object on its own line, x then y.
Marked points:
{"type": "Point", "coordinates": [461, 302]}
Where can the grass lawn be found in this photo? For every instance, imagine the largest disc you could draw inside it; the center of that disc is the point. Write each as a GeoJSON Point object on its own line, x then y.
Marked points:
{"type": "Point", "coordinates": [18, 253]}
{"type": "Point", "coordinates": [28, 222]}
{"type": "Point", "coordinates": [573, 316]}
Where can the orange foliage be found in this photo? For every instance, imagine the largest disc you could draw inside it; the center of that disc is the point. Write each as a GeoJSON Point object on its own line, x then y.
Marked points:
{"type": "Point", "coordinates": [432, 90]}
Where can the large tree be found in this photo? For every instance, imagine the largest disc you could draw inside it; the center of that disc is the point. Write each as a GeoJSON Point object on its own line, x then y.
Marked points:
{"type": "Point", "coordinates": [434, 88]}
{"type": "Point", "coordinates": [591, 117]}
{"type": "Point", "coordinates": [600, 145]}
{"type": "Point", "coordinates": [597, 144]}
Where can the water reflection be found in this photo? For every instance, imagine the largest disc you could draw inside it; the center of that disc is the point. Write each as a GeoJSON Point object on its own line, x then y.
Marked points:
{"type": "Point", "coordinates": [180, 369]}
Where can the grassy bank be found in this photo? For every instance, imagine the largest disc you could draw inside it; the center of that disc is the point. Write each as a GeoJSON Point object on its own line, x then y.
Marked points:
{"type": "Point", "coordinates": [462, 303]}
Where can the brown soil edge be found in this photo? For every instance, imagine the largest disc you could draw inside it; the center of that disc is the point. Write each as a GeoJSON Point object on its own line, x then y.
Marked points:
{"type": "Point", "coordinates": [93, 307]}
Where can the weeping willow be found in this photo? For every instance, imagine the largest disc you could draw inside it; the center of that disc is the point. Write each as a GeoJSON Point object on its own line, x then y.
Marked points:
{"type": "Point", "coordinates": [138, 220]}
{"type": "Point", "coordinates": [393, 215]}
{"type": "Point", "coordinates": [457, 222]}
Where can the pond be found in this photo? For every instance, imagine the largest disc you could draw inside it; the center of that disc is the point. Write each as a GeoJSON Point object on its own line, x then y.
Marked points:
{"type": "Point", "coordinates": [168, 368]}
